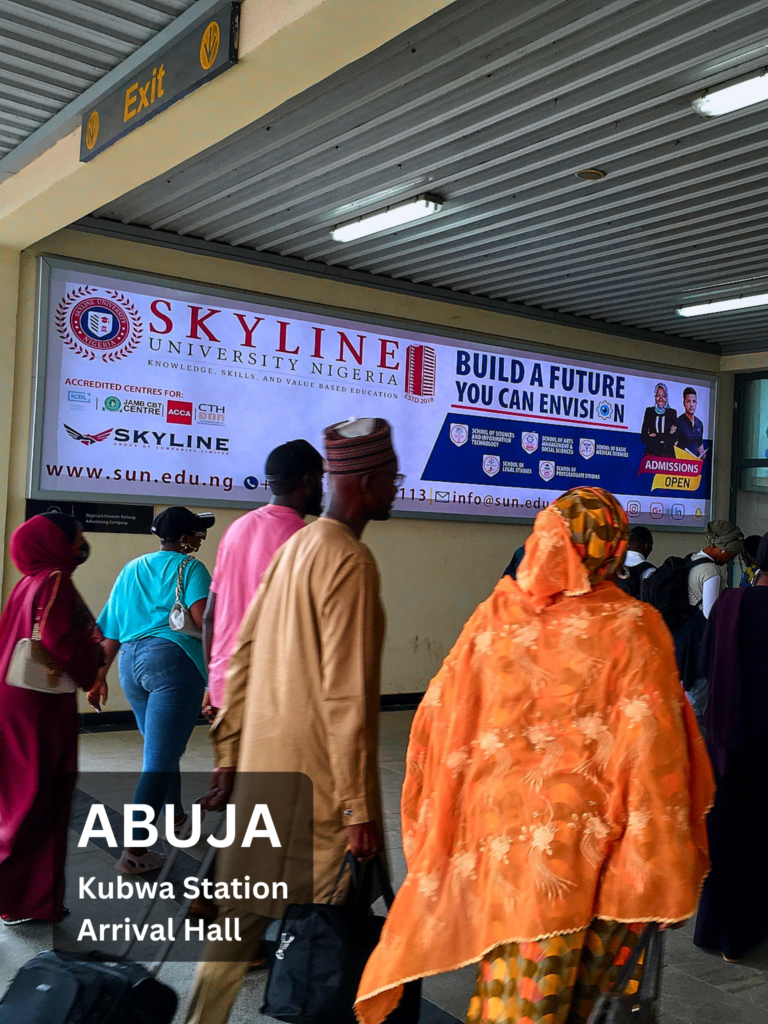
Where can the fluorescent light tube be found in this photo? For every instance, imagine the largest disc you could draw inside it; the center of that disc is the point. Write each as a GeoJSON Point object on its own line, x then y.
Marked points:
{"type": "Point", "coordinates": [724, 99]}
{"type": "Point", "coordinates": [387, 219]}
{"type": "Point", "coordinates": [746, 302]}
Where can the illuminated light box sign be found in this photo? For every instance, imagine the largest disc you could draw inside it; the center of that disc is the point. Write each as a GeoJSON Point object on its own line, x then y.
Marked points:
{"type": "Point", "coordinates": [150, 392]}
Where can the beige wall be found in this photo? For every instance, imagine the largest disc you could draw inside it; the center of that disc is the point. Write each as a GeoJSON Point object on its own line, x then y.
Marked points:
{"type": "Point", "coordinates": [433, 573]}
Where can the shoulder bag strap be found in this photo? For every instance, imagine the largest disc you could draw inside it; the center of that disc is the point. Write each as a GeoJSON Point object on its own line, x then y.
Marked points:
{"type": "Point", "coordinates": [649, 942]}
{"type": "Point", "coordinates": [42, 616]}
{"type": "Point", "coordinates": [180, 576]}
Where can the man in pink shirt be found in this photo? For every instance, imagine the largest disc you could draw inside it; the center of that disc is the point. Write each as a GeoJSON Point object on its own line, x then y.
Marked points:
{"type": "Point", "coordinates": [294, 472]}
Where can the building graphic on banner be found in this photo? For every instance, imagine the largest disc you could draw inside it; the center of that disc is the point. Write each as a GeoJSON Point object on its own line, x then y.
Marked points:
{"type": "Point", "coordinates": [420, 371]}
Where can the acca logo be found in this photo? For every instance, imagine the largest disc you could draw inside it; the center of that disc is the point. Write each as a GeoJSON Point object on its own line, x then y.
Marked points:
{"type": "Point", "coordinates": [101, 321]}
{"type": "Point", "coordinates": [179, 412]}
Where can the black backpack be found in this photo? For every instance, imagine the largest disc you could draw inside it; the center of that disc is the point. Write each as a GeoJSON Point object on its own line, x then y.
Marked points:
{"type": "Point", "coordinates": [631, 583]}
{"type": "Point", "coordinates": [667, 590]}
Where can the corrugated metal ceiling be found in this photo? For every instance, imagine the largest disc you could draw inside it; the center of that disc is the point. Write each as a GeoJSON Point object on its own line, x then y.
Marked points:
{"type": "Point", "coordinates": [51, 51]}
{"type": "Point", "coordinates": [494, 104]}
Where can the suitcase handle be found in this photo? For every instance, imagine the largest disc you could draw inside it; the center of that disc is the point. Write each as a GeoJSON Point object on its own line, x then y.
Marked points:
{"type": "Point", "coordinates": [165, 871]}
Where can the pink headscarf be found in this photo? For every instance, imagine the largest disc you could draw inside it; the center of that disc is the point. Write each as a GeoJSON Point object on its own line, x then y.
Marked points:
{"type": "Point", "coordinates": [39, 549]}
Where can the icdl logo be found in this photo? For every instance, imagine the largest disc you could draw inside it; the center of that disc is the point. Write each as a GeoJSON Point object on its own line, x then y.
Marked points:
{"type": "Point", "coordinates": [91, 320]}
{"type": "Point", "coordinates": [605, 410]}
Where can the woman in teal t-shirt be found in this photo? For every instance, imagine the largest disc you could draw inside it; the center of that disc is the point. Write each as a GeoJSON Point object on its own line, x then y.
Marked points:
{"type": "Point", "coordinates": [162, 672]}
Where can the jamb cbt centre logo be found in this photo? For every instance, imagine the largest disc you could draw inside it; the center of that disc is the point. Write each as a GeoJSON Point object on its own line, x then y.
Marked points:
{"type": "Point", "coordinates": [98, 321]}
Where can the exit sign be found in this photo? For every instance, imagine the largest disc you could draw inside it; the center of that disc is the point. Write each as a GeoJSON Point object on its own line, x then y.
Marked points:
{"type": "Point", "coordinates": [198, 56]}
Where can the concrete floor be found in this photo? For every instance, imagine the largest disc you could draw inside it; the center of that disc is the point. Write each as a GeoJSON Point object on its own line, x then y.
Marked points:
{"type": "Point", "coordinates": [698, 988]}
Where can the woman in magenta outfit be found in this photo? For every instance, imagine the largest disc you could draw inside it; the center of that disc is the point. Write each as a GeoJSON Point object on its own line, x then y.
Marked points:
{"type": "Point", "coordinates": [38, 731]}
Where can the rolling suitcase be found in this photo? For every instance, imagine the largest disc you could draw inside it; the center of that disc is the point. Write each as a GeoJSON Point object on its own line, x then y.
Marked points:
{"type": "Point", "coordinates": [67, 988]}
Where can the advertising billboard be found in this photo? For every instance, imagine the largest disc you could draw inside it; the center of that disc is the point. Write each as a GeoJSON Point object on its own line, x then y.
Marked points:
{"type": "Point", "coordinates": [159, 392]}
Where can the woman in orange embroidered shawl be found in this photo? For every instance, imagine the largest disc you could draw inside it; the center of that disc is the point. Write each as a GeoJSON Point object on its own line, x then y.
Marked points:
{"type": "Point", "coordinates": [556, 787]}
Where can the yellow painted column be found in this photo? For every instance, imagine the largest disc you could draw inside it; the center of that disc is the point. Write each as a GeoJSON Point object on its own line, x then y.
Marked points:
{"type": "Point", "coordinates": [9, 298]}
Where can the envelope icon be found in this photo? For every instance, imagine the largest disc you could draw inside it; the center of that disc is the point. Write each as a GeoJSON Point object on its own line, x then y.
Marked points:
{"type": "Point", "coordinates": [442, 495]}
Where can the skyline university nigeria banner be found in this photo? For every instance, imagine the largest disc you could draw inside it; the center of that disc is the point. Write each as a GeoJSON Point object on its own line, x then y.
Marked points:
{"type": "Point", "coordinates": [154, 392]}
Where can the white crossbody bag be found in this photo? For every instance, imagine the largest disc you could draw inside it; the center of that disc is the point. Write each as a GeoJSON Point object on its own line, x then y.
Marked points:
{"type": "Point", "coordinates": [31, 666]}
{"type": "Point", "coordinates": [180, 619]}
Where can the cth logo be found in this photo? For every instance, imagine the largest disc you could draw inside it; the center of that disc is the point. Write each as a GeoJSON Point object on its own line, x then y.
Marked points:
{"type": "Point", "coordinates": [209, 46]}
{"type": "Point", "coordinates": [98, 320]}
{"type": "Point", "coordinates": [420, 367]}
{"type": "Point", "coordinates": [179, 412]}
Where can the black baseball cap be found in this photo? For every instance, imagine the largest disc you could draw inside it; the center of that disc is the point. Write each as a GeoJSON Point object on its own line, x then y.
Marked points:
{"type": "Point", "coordinates": [177, 522]}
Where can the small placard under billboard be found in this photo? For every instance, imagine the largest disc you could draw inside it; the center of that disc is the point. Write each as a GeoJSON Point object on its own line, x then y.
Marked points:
{"type": "Point", "coordinates": [154, 392]}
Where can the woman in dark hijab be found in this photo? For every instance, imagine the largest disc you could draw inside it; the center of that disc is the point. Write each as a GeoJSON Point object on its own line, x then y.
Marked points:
{"type": "Point", "coordinates": [733, 913]}
{"type": "Point", "coordinates": [38, 731]}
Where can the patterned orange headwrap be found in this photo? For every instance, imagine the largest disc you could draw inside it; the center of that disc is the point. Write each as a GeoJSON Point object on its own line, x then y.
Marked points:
{"type": "Point", "coordinates": [576, 542]}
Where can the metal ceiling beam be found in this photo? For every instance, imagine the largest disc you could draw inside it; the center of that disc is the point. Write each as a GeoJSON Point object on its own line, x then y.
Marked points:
{"type": "Point", "coordinates": [136, 233]}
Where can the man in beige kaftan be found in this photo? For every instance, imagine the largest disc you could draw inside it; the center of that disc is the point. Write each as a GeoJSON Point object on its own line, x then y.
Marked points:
{"type": "Point", "coordinates": [302, 689]}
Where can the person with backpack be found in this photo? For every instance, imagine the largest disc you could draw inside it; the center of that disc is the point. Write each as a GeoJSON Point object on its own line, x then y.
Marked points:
{"type": "Point", "coordinates": [636, 565]}
{"type": "Point", "coordinates": [684, 590]}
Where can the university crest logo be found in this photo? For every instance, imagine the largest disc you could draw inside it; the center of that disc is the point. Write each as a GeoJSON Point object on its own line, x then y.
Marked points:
{"type": "Point", "coordinates": [529, 441]}
{"type": "Point", "coordinates": [98, 321]}
{"type": "Point", "coordinates": [587, 447]}
{"type": "Point", "coordinates": [459, 434]}
{"type": "Point", "coordinates": [491, 464]}
{"type": "Point", "coordinates": [546, 470]}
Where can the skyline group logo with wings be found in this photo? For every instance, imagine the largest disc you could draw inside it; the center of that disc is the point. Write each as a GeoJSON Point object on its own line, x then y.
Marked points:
{"type": "Point", "coordinates": [87, 439]}
{"type": "Point", "coordinates": [98, 321]}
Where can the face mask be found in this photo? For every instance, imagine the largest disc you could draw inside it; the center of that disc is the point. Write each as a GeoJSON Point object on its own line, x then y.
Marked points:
{"type": "Point", "coordinates": [83, 553]}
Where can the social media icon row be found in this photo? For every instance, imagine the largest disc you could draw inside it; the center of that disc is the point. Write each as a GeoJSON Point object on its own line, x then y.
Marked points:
{"type": "Point", "coordinates": [656, 510]}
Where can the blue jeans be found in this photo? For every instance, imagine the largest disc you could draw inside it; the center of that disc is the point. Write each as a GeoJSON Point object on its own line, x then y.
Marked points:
{"type": "Point", "coordinates": [165, 690]}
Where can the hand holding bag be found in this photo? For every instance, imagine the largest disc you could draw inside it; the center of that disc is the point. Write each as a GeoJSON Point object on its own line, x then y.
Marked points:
{"type": "Point", "coordinates": [31, 666]}
{"type": "Point", "coordinates": [180, 619]}
{"type": "Point", "coordinates": [614, 1006]}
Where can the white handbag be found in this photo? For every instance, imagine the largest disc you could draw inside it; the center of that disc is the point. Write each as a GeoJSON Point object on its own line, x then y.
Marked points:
{"type": "Point", "coordinates": [179, 619]}
{"type": "Point", "coordinates": [31, 666]}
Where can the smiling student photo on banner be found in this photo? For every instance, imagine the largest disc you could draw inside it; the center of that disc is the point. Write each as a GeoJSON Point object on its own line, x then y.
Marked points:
{"type": "Point", "coordinates": [659, 424]}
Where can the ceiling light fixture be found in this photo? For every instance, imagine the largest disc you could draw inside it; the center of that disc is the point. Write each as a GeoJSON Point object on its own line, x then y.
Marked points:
{"type": "Point", "coordinates": [724, 306]}
{"type": "Point", "coordinates": [390, 217]}
{"type": "Point", "coordinates": [723, 99]}
{"type": "Point", "coordinates": [590, 174]}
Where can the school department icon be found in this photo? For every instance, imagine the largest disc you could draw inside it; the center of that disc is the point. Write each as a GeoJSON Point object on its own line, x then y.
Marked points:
{"type": "Point", "coordinates": [529, 441]}
{"type": "Point", "coordinates": [459, 434]}
{"type": "Point", "coordinates": [491, 464]}
{"type": "Point", "coordinates": [98, 322]}
{"type": "Point", "coordinates": [546, 470]}
{"type": "Point", "coordinates": [587, 447]}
